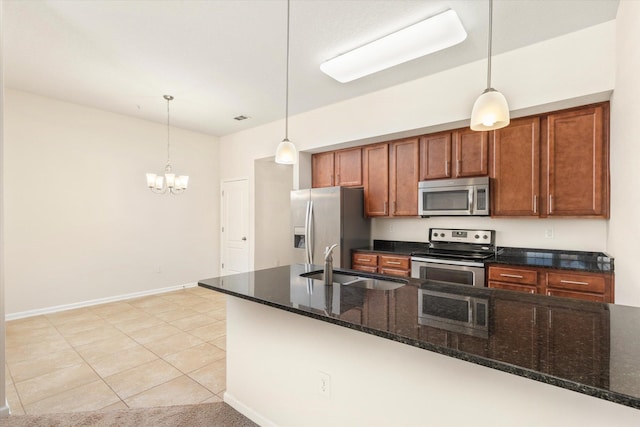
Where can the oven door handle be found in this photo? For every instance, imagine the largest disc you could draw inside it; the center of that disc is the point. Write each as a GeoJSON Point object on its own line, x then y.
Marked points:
{"type": "Point", "coordinates": [448, 262]}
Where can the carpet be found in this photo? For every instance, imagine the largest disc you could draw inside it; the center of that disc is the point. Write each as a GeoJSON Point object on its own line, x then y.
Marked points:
{"type": "Point", "coordinates": [202, 415]}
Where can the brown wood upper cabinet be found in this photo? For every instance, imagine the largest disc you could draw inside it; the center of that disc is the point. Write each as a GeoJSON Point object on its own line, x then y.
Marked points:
{"type": "Point", "coordinates": [461, 153]}
{"type": "Point", "coordinates": [375, 159]}
{"type": "Point", "coordinates": [391, 178]}
{"type": "Point", "coordinates": [552, 165]}
{"type": "Point", "coordinates": [515, 168]}
{"type": "Point", "coordinates": [576, 163]}
{"type": "Point", "coordinates": [341, 167]}
{"type": "Point", "coordinates": [403, 177]}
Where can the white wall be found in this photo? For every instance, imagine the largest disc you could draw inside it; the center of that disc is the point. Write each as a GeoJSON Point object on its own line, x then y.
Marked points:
{"type": "Point", "coordinates": [4, 407]}
{"type": "Point", "coordinates": [273, 240]}
{"type": "Point", "coordinates": [81, 225]}
{"type": "Point", "coordinates": [624, 229]}
{"type": "Point", "coordinates": [577, 65]}
{"type": "Point", "coordinates": [274, 360]}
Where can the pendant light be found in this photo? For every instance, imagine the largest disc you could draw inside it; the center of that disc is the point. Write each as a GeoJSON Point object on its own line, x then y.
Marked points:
{"type": "Point", "coordinates": [490, 111]}
{"type": "Point", "coordinates": [286, 152]}
{"type": "Point", "coordinates": [159, 183]}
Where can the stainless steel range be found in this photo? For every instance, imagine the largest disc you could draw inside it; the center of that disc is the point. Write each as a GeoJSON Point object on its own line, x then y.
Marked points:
{"type": "Point", "coordinates": [455, 256]}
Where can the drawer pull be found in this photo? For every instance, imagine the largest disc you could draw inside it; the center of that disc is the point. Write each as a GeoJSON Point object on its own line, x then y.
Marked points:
{"type": "Point", "coordinates": [364, 259]}
{"type": "Point", "coordinates": [572, 282]}
{"type": "Point", "coordinates": [394, 262]}
{"type": "Point", "coordinates": [515, 276]}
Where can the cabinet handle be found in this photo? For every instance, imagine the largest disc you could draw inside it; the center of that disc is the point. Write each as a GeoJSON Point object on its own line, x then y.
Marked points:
{"type": "Point", "coordinates": [459, 170]}
{"type": "Point", "coordinates": [385, 208]}
{"type": "Point", "coordinates": [363, 259]}
{"type": "Point", "coordinates": [446, 167]}
{"type": "Point", "coordinates": [572, 282]}
{"type": "Point", "coordinates": [338, 179]}
{"type": "Point", "coordinates": [535, 203]}
{"type": "Point", "coordinates": [393, 207]}
{"type": "Point", "coordinates": [394, 262]}
{"type": "Point", "coordinates": [332, 181]}
{"type": "Point", "coordinates": [515, 276]}
{"type": "Point", "coordinates": [550, 203]}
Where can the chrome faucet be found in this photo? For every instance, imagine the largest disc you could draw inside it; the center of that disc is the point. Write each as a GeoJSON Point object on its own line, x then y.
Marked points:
{"type": "Point", "coordinates": [328, 264]}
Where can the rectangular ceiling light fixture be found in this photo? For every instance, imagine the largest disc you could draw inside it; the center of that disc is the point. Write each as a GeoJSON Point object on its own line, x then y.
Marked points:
{"type": "Point", "coordinates": [431, 35]}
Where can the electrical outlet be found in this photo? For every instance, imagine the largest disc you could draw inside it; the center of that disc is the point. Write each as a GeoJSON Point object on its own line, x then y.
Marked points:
{"type": "Point", "coordinates": [390, 228]}
{"type": "Point", "coordinates": [159, 269]}
{"type": "Point", "coordinates": [548, 233]}
{"type": "Point", "coordinates": [324, 384]}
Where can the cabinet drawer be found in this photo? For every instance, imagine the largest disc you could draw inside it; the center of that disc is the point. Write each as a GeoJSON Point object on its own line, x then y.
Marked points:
{"type": "Point", "coordinates": [395, 272]}
{"type": "Point", "coordinates": [397, 262]}
{"type": "Point", "coordinates": [577, 282]}
{"type": "Point", "coordinates": [364, 259]}
{"type": "Point", "coordinates": [365, 268]}
{"type": "Point", "coordinates": [513, 275]}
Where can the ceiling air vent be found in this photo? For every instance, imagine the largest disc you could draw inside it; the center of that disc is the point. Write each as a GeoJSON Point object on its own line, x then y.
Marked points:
{"type": "Point", "coordinates": [241, 117]}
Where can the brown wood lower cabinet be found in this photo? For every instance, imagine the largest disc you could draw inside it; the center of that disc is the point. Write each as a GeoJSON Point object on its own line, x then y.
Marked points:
{"type": "Point", "coordinates": [562, 283]}
{"type": "Point", "coordinates": [391, 265]}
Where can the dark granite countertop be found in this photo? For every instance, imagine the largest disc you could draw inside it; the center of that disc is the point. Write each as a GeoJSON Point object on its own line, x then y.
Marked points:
{"type": "Point", "coordinates": [589, 347]}
{"type": "Point", "coordinates": [597, 262]}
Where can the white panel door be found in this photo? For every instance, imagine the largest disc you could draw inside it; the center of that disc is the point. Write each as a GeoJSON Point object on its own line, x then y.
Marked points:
{"type": "Point", "coordinates": [235, 226]}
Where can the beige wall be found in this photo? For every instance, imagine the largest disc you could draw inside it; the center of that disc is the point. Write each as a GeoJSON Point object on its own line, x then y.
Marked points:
{"type": "Point", "coordinates": [80, 224]}
{"type": "Point", "coordinates": [624, 228]}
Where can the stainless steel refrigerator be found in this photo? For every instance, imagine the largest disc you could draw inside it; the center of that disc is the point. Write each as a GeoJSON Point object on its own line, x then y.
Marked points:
{"type": "Point", "coordinates": [323, 216]}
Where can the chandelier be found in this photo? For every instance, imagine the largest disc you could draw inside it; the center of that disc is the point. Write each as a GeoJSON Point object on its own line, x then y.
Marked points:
{"type": "Point", "coordinates": [169, 181]}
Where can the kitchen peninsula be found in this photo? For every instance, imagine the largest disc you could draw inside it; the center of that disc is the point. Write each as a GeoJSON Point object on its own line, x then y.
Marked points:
{"type": "Point", "coordinates": [302, 353]}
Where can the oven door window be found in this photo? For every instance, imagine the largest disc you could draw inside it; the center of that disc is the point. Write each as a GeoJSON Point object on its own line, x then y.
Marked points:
{"type": "Point", "coordinates": [447, 274]}
{"type": "Point", "coordinates": [446, 201]}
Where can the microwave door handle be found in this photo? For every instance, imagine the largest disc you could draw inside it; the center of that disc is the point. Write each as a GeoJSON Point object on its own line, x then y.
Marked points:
{"type": "Point", "coordinates": [471, 201]}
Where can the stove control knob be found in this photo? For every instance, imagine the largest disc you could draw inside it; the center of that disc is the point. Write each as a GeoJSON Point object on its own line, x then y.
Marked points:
{"type": "Point", "coordinates": [485, 237]}
{"type": "Point", "coordinates": [476, 236]}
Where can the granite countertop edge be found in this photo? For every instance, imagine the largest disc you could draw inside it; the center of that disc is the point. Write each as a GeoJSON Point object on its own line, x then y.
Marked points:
{"type": "Point", "coordinates": [614, 397]}
{"type": "Point", "coordinates": [593, 262]}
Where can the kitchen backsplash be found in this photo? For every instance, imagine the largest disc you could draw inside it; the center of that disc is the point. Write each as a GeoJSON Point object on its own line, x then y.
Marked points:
{"type": "Point", "coordinates": [570, 234]}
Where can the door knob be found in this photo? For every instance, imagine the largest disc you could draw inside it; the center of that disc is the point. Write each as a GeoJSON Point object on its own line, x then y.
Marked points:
{"type": "Point", "coordinates": [244, 238]}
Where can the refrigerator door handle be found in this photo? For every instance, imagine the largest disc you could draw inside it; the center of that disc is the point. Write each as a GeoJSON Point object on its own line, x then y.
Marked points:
{"type": "Point", "coordinates": [306, 233]}
{"type": "Point", "coordinates": [311, 233]}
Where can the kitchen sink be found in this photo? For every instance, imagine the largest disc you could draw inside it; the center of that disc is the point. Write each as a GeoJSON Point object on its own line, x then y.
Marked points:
{"type": "Point", "coordinates": [358, 281]}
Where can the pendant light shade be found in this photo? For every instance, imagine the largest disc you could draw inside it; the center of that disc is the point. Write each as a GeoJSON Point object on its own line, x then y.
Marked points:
{"type": "Point", "coordinates": [490, 111]}
{"type": "Point", "coordinates": [286, 152]}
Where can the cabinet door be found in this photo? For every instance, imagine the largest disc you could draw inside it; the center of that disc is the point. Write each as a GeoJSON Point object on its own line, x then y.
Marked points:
{"type": "Point", "coordinates": [516, 168]}
{"type": "Point", "coordinates": [403, 178]}
{"type": "Point", "coordinates": [577, 169]}
{"type": "Point", "coordinates": [470, 153]}
{"type": "Point", "coordinates": [376, 179]}
{"type": "Point", "coordinates": [322, 170]}
{"type": "Point", "coordinates": [435, 156]}
{"type": "Point", "coordinates": [348, 167]}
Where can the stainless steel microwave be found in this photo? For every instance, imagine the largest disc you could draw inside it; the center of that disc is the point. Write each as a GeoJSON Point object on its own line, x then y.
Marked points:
{"type": "Point", "coordinates": [454, 197]}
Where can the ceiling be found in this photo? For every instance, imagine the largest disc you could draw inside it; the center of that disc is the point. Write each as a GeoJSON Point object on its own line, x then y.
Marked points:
{"type": "Point", "coordinates": [224, 58]}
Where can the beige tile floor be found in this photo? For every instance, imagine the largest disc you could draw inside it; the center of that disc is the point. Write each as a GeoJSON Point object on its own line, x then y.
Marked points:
{"type": "Point", "coordinates": [165, 349]}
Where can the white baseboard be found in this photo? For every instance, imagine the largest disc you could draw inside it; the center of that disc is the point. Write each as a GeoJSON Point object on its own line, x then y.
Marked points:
{"type": "Point", "coordinates": [247, 411]}
{"type": "Point", "coordinates": [55, 309]}
{"type": "Point", "coordinates": [5, 411]}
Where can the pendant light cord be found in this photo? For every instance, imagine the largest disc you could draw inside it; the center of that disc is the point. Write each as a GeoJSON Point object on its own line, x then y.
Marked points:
{"type": "Point", "coordinates": [168, 132]}
{"type": "Point", "coordinates": [490, 39]}
{"type": "Point", "coordinates": [286, 110]}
